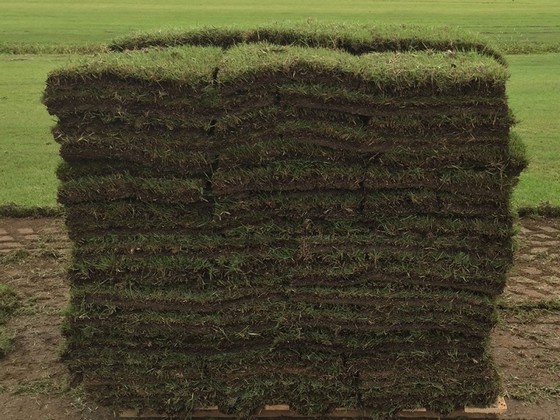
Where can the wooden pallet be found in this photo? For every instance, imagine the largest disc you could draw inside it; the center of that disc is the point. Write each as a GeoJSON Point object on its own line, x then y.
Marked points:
{"type": "Point", "coordinates": [284, 411]}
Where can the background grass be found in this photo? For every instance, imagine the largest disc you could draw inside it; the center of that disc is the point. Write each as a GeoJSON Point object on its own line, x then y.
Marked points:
{"type": "Point", "coordinates": [28, 155]}
{"type": "Point", "coordinates": [78, 22]}
{"type": "Point", "coordinates": [534, 95]}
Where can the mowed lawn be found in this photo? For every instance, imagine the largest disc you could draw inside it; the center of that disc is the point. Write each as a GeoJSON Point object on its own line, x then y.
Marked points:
{"type": "Point", "coordinates": [28, 154]}
{"type": "Point", "coordinates": [534, 95]}
{"type": "Point", "coordinates": [79, 22]}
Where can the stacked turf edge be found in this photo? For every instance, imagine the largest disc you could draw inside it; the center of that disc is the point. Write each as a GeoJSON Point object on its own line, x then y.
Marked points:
{"type": "Point", "coordinates": [313, 215]}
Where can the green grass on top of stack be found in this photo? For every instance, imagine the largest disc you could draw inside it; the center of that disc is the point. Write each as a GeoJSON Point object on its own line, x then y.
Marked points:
{"type": "Point", "coordinates": [248, 67]}
{"type": "Point", "coordinates": [186, 75]}
{"type": "Point", "coordinates": [354, 38]}
{"type": "Point", "coordinates": [189, 68]}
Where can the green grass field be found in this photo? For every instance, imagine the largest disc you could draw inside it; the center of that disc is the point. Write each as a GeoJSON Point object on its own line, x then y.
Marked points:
{"type": "Point", "coordinates": [74, 22]}
{"type": "Point", "coordinates": [534, 95]}
{"type": "Point", "coordinates": [28, 152]}
{"type": "Point", "coordinates": [28, 155]}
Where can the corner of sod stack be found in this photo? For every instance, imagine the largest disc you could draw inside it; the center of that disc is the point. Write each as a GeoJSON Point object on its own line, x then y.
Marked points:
{"type": "Point", "coordinates": [305, 214]}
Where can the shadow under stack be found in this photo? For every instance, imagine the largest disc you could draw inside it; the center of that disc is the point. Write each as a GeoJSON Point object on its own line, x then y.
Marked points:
{"type": "Point", "coordinates": [313, 215]}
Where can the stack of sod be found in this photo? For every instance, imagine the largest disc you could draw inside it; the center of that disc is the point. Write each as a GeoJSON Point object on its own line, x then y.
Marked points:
{"type": "Point", "coordinates": [310, 215]}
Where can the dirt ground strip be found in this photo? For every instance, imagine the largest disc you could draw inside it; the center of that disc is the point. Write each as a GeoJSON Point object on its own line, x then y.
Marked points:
{"type": "Point", "coordinates": [34, 254]}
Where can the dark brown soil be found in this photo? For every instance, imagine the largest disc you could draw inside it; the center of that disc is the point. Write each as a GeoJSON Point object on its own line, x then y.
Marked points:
{"type": "Point", "coordinates": [33, 382]}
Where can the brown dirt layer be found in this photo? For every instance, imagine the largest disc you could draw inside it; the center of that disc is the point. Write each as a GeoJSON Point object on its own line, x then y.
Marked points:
{"type": "Point", "coordinates": [33, 383]}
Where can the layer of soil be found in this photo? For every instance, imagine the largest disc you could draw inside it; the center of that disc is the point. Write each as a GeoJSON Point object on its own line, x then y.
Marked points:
{"type": "Point", "coordinates": [34, 254]}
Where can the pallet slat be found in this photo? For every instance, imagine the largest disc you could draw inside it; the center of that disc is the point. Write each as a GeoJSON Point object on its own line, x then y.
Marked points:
{"type": "Point", "coordinates": [282, 410]}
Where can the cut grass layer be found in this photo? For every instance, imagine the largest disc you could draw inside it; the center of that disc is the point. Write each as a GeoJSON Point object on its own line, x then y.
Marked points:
{"type": "Point", "coordinates": [288, 176]}
{"type": "Point", "coordinates": [381, 136]}
{"type": "Point", "coordinates": [340, 98]}
{"type": "Point", "coordinates": [375, 134]}
{"type": "Point", "coordinates": [336, 131]}
{"type": "Point", "coordinates": [353, 275]}
{"type": "Point", "coordinates": [289, 387]}
{"type": "Point", "coordinates": [117, 215]}
{"type": "Point", "coordinates": [250, 263]}
{"type": "Point", "coordinates": [278, 148]}
{"type": "Point", "coordinates": [381, 73]}
{"type": "Point", "coordinates": [456, 270]}
{"type": "Point", "coordinates": [89, 116]}
{"type": "Point", "coordinates": [358, 207]}
{"type": "Point", "coordinates": [471, 117]}
{"type": "Point", "coordinates": [352, 38]}
{"type": "Point", "coordinates": [263, 64]}
{"type": "Point", "coordinates": [489, 228]}
{"type": "Point", "coordinates": [310, 207]}
{"type": "Point", "coordinates": [190, 67]}
{"type": "Point", "coordinates": [115, 364]}
{"type": "Point", "coordinates": [431, 202]}
{"type": "Point", "coordinates": [349, 299]}
{"type": "Point", "coordinates": [219, 332]}
{"type": "Point", "coordinates": [277, 334]}
{"type": "Point", "coordinates": [118, 187]}
{"type": "Point", "coordinates": [207, 244]}
{"type": "Point", "coordinates": [302, 175]}
{"type": "Point", "coordinates": [193, 113]}
{"type": "Point", "coordinates": [156, 104]}
{"type": "Point", "coordinates": [494, 126]}
{"type": "Point", "coordinates": [509, 159]}
{"type": "Point", "coordinates": [91, 121]}
{"type": "Point", "coordinates": [96, 372]}
{"type": "Point", "coordinates": [404, 344]}
{"type": "Point", "coordinates": [158, 160]}
{"type": "Point", "coordinates": [246, 397]}
{"type": "Point", "coordinates": [488, 183]}
{"type": "Point", "coordinates": [83, 168]}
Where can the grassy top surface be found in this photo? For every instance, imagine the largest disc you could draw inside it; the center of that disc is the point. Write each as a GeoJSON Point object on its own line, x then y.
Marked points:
{"type": "Point", "coordinates": [353, 38]}
{"type": "Point", "coordinates": [380, 54]}
{"type": "Point", "coordinates": [386, 69]}
{"type": "Point", "coordinates": [190, 64]}
{"type": "Point", "coordinates": [200, 67]}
